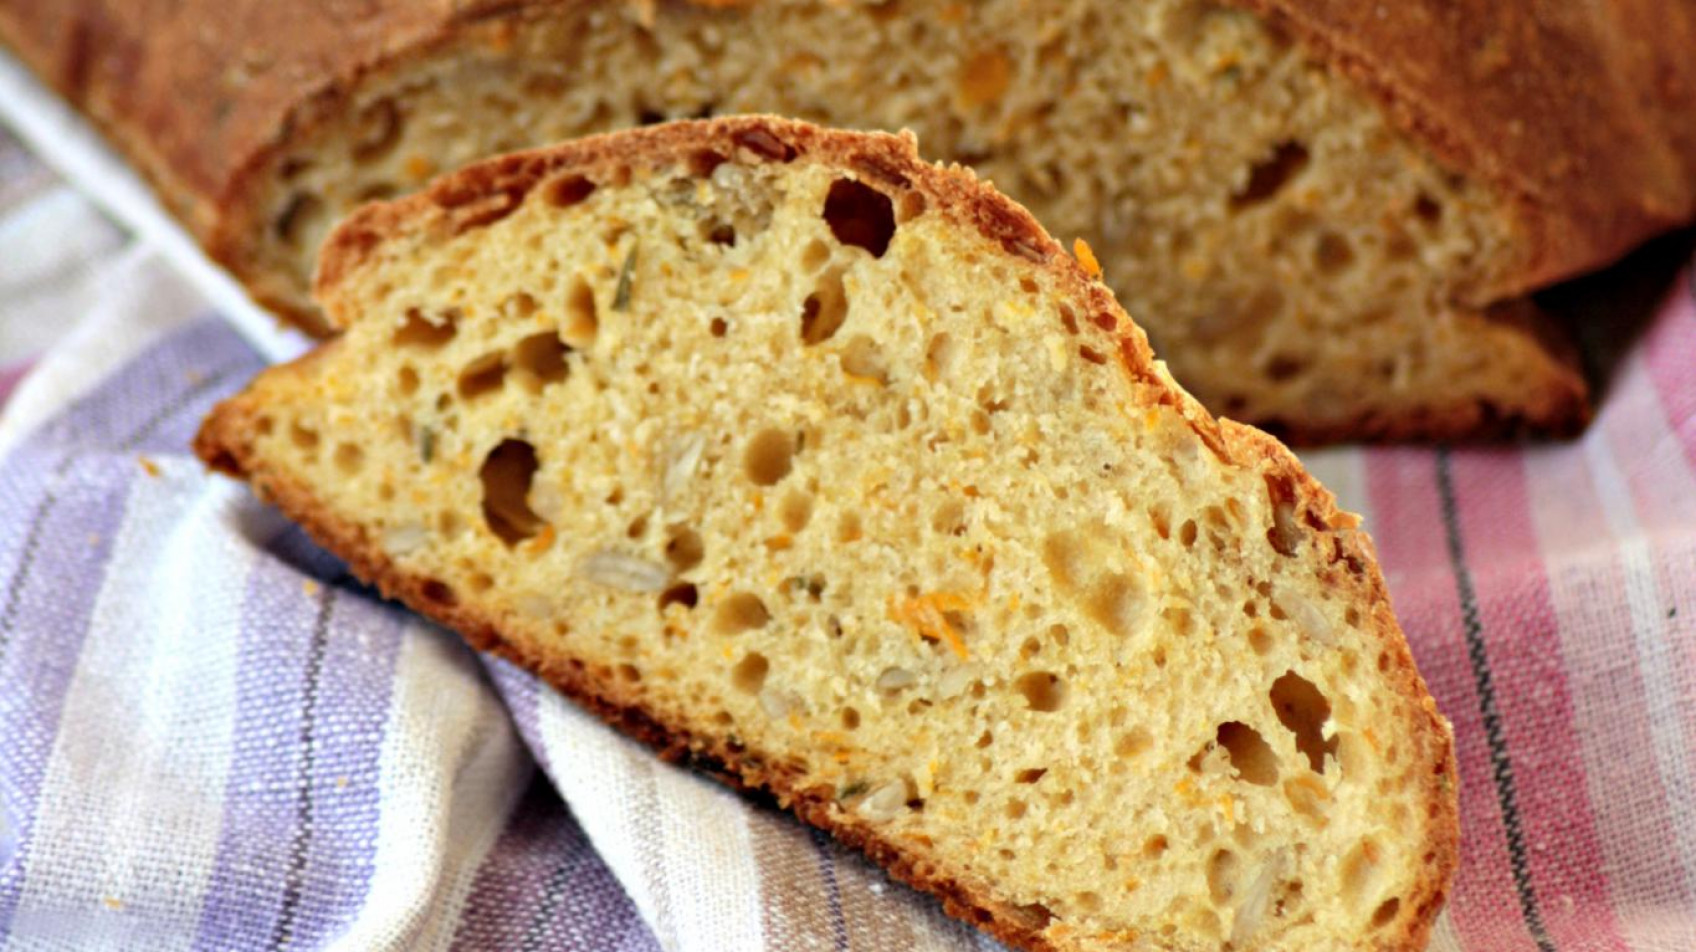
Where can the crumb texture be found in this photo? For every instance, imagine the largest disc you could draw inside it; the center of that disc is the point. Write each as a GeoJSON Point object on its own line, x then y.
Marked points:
{"type": "Point", "coordinates": [1300, 262]}
{"type": "Point", "coordinates": [768, 435]}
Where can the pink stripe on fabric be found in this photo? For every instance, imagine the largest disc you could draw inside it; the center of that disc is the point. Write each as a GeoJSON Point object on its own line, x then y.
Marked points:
{"type": "Point", "coordinates": [11, 375]}
{"type": "Point", "coordinates": [1408, 529]}
{"type": "Point", "coordinates": [1669, 350]}
{"type": "Point", "coordinates": [1532, 694]}
{"type": "Point", "coordinates": [1660, 470]}
{"type": "Point", "coordinates": [1587, 584]}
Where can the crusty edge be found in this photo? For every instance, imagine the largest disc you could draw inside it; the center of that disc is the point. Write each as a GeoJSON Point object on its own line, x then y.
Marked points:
{"type": "Point", "coordinates": [1557, 402]}
{"type": "Point", "coordinates": [1341, 554]}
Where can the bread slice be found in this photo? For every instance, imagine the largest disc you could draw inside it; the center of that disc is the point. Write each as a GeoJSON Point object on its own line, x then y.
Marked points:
{"type": "Point", "coordinates": [1325, 213]}
{"type": "Point", "coordinates": [828, 469]}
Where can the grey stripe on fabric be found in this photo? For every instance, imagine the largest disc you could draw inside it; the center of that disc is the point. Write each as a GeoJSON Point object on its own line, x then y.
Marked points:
{"type": "Point", "coordinates": [1501, 762]}
{"type": "Point", "coordinates": [295, 876]}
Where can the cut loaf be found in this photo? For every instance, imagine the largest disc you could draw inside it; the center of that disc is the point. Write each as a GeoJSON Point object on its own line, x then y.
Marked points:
{"type": "Point", "coordinates": [828, 469]}
{"type": "Point", "coordinates": [1326, 213]}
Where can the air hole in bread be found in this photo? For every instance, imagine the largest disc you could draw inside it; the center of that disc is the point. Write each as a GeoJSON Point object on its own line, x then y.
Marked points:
{"type": "Point", "coordinates": [850, 719]}
{"type": "Point", "coordinates": [762, 144]}
{"type": "Point", "coordinates": [581, 317]}
{"type": "Point", "coordinates": [860, 215]}
{"type": "Point", "coordinates": [539, 360]}
{"type": "Point", "coordinates": [702, 162]}
{"type": "Point", "coordinates": [483, 375]}
{"type": "Point", "coordinates": [377, 130]}
{"type": "Point", "coordinates": [416, 330]}
{"type": "Point", "coordinates": [406, 381]}
{"type": "Point", "coordinates": [1285, 367]}
{"type": "Point", "coordinates": [1386, 912]}
{"type": "Point", "coordinates": [795, 510]}
{"type": "Point", "coordinates": [749, 674]}
{"type": "Point", "coordinates": [718, 327]}
{"type": "Point", "coordinates": [863, 360]}
{"type": "Point", "coordinates": [1043, 691]}
{"type": "Point", "coordinates": [824, 310]}
{"type": "Point", "coordinates": [683, 547]}
{"type": "Point", "coordinates": [1016, 809]}
{"type": "Point", "coordinates": [447, 524]}
{"type": "Point", "coordinates": [1222, 876]}
{"type": "Point", "coordinates": [739, 612]}
{"type": "Point", "coordinates": [1133, 743]}
{"type": "Point", "coordinates": [438, 592]}
{"type": "Point", "coordinates": [949, 517]}
{"type": "Point", "coordinates": [506, 475]}
{"type": "Point", "coordinates": [769, 456]}
{"type": "Point", "coordinates": [815, 254]}
{"type": "Point", "coordinates": [718, 232]}
{"type": "Point", "coordinates": [1360, 870]}
{"type": "Point", "coordinates": [1118, 603]}
{"type": "Point", "coordinates": [848, 528]}
{"type": "Point", "coordinates": [567, 190]}
{"type": "Point", "coordinates": [1260, 640]}
{"type": "Point", "coordinates": [302, 216]}
{"type": "Point", "coordinates": [909, 206]}
{"type": "Point", "coordinates": [1268, 177]}
{"type": "Point", "coordinates": [683, 593]}
{"type": "Point", "coordinates": [1427, 209]}
{"type": "Point", "coordinates": [1250, 754]}
{"type": "Point", "coordinates": [940, 355]}
{"type": "Point", "coordinates": [1332, 253]}
{"type": "Point", "coordinates": [303, 437]}
{"type": "Point", "coordinates": [1303, 710]}
{"type": "Point", "coordinates": [1064, 558]}
{"type": "Point", "coordinates": [349, 458]}
{"type": "Point", "coordinates": [1161, 521]}
{"type": "Point", "coordinates": [1030, 775]}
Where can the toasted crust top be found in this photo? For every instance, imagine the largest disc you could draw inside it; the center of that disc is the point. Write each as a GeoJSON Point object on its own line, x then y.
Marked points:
{"type": "Point", "coordinates": [1339, 553]}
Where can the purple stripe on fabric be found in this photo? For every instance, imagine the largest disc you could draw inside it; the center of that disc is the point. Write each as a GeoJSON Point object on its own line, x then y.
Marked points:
{"type": "Point", "coordinates": [63, 491]}
{"type": "Point", "coordinates": [297, 850]}
{"type": "Point", "coordinates": [155, 402]}
{"type": "Point", "coordinates": [542, 886]}
{"type": "Point", "coordinates": [833, 888]}
{"type": "Point", "coordinates": [48, 600]}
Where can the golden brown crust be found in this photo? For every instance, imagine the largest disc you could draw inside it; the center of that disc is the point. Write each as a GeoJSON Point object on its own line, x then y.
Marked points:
{"type": "Point", "coordinates": [1583, 113]}
{"type": "Point", "coordinates": [1342, 554]}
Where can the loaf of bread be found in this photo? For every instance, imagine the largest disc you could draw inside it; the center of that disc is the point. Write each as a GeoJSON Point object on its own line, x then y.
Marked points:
{"type": "Point", "coordinates": [828, 469]}
{"type": "Point", "coordinates": [1326, 213]}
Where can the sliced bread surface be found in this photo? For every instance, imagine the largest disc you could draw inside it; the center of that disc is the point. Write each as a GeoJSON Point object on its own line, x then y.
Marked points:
{"type": "Point", "coordinates": [827, 469]}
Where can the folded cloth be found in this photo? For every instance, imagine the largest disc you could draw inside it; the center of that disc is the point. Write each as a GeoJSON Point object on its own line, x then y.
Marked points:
{"type": "Point", "coordinates": [212, 737]}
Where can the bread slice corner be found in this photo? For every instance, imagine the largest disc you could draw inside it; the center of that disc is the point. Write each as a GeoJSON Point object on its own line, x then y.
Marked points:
{"type": "Point", "coordinates": [829, 470]}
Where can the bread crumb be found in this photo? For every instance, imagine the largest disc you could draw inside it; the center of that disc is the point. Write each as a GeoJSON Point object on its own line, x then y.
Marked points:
{"type": "Point", "coordinates": [311, 588]}
{"type": "Point", "coordinates": [112, 902]}
{"type": "Point", "coordinates": [150, 467]}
